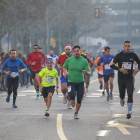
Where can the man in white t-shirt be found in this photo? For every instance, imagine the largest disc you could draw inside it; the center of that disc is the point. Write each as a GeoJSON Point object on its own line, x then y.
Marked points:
{"type": "Point", "coordinates": [53, 56]}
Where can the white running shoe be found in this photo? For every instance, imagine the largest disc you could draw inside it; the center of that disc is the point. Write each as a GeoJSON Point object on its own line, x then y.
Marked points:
{"type": "Point", "coordinates": [86, 90]}
{"type": "Point", "coordinates": [64, 99]}
{"type": "Point", "coordinates": [76, 116]}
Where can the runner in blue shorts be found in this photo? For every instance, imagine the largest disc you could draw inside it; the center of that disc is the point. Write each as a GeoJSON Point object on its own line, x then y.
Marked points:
{"type": "Point", "coordinates": [64, 81]}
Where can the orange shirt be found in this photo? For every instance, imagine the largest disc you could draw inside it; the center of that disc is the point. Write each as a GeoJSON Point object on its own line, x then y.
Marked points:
{"type": "Point", "coordinates": [100, 67]}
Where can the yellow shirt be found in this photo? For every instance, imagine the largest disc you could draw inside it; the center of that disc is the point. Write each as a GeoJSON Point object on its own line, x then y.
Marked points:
{"type": "Point", "coordinates": [48, 77]}
{"type": "Point", "coordinates": [63, 53]}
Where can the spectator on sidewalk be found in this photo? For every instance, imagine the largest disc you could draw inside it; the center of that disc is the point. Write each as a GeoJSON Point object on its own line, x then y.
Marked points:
{"type": "Point", "coordinates": [23, 75]}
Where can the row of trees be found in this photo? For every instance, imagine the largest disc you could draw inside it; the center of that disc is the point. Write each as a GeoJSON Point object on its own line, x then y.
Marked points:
{"type": "Point", "coordinates": [30, 18]}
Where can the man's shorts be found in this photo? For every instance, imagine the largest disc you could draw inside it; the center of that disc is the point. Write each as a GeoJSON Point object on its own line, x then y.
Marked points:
{"type": "Point", "coordinates": [99, 75]}
{"type": "Point", "coordinates": [33, 73]}
{"type": "Point", "coordinates": [63, 79]}
{"type": "Point", "coordinates": [46, 90]}
{"type": "Point", "coordinates": [79, 87]}
{"type": "Point", "coordinates": [106, 77]}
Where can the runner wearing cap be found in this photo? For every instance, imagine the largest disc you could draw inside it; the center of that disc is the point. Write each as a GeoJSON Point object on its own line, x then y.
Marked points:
{"type": "Point", "coordinates": [60, 62]}
{"type": "Point", "coordinates": [100, 73]}
{"type": "Point", "coordinates": [47, 86]}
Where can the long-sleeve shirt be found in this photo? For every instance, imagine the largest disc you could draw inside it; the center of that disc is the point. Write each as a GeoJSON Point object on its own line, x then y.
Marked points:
{"type": "Point", "coordinates": [106, 61]}
{"type": "Point", "coordinates": [13, 67]}
{"type": "Point", "coordinates": [38, 59]}
{"type": "Point", "coordinates": [126, 61]}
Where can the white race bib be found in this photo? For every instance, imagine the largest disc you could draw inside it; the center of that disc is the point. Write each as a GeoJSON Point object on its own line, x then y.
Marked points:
{"type": "Point", "coordinates": [127, 65]}
{"type": "Point", "coordinates": [69, 88]}
{"type": "Point", "coordinates": [101, 72]}
{"type": "Point", "coordinates": [49, 79]}
{"type": "Point", "coordinates": [107, 67]}
{"type": "Point", "coordinates": [14, 74]}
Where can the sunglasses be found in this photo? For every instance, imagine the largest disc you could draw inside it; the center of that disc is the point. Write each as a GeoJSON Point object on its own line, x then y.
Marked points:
{"type": "Point", "coordinates": [36, 48]}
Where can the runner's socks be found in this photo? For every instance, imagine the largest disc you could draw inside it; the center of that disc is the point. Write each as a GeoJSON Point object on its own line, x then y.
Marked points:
{"type": "Point", "coordinates": [37, 88]}
{"type": "Point", "coordinates": [108, 93]}
{"type": "Point", "coordinates": [129, 106]}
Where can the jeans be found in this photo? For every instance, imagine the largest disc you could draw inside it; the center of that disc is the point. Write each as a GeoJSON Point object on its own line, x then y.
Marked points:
{"type": "Point", "coordinates": [23, 76]}
{"type": "Point", "coordinates": [29, 77]}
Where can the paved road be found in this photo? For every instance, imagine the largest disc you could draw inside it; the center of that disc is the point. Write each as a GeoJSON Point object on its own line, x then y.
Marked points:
{"type": "Point", "coordinates": [99, 119]}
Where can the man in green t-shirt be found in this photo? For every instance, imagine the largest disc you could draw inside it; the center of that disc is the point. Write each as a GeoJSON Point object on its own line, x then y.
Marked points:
{"type": "Point", "coordinates": [78, 66]}
{"type": "Point", "coordinates": [47, 86]}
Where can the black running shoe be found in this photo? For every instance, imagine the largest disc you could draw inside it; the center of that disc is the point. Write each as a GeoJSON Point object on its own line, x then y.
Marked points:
{"type": "Point", "coordinates": [122, 102]}
{"type": "Point", "coordinates": [101, 87]}
{"type": "Point", "coordinates": [128, 116]}
{"type": "Point", "coordinates": [103, 93]}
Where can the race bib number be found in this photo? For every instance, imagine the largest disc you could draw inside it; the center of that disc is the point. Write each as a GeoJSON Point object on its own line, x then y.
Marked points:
{"type": "Point", "coordinates": [127, 65]}
{"type": "Point", "coordinates": [14, 74]}
{"type": "Point", "coordinates": [101, 72]}
{"type": "Point", "coordinates": [49, 79]}
{"type": "Point", "coordinates": [107, 67]}
{"type": "Point", "coordinates": [69, 88]}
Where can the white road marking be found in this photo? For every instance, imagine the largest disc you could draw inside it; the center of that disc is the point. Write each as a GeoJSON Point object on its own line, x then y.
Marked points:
{"type": "Point", "coordinates": [21, 95]}
{"type": "Point", "coordinates": [28, 91]}
{"type": "Point", "coordinates": [98, 94]}
{"type": "Point", "coordinates": [116, 96]}
{"type": "Point", "coordinates": [60, 128]}
{"type": "Point", "coordinates": [118, 115]}
{"type": "Point", "coordinates": [102, 133]}
{"type": "Point", "coordinates": [99, 90]}
{"type": "Point", "coordinates": [17, 95]}
{"type": "Point", "coordinates": [93, 96]}
{"type": "Point", "coordinates": [93, 81]}
{"type": "Point", "coordinates": [121, 127]}
{"type": "Point", "coordinates": [60, 96]}
{"type": "Point", "coordinates": [110, 122]}
{"type": "Point", "coordinates": [138, 91]}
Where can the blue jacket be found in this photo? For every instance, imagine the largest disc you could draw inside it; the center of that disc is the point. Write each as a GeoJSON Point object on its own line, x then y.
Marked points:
{"type": "Point", "coordinates": [106, 60]}
{"type": "Point", "coordinates": [13, 66]}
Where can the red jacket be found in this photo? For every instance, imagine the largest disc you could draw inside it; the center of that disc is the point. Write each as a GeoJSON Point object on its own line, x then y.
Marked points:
{"type": "Point", "coordinates": [61, 60]}
{"type": "Point", "coordinates": [38, 59]}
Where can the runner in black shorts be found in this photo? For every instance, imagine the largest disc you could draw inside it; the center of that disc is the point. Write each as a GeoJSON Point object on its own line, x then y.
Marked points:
{"type": "Point", "coordinates": [78, 66]}
{"type": "Point", "coordinates": [106, 77]}
{"type": "Point", "coordinates": [107, 71]}
{"type": "Point", "coordinates": [47, 86]}
{"type": "Point", "coordinates": [35, 60]}
{"type": "Point", "coordinates": [125, 60]}
{"type": "Point", "coordinates": [12, 64]}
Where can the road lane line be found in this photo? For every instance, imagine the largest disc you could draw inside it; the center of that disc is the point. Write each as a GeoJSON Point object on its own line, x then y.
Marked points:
{"type": "Point", "coordinates": [92, 96]}
{"type": "Point", "coordinates": [93, 81]}
{"type": "Point", "coordinates": [60, 128]}
{"type": "Point", "coordinates": [102, 133]}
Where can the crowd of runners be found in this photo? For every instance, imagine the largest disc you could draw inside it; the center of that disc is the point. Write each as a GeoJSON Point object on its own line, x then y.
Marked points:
{"type": "Point", "coordinates": [76, 67]}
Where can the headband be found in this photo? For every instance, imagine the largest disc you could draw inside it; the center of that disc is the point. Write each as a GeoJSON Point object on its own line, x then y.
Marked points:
{"type": "Point", "coordinates": [49, 60]}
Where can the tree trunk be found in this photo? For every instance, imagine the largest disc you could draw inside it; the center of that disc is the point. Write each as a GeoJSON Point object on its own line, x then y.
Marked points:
{"type": "Point", "coordinates": [1, 49]}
